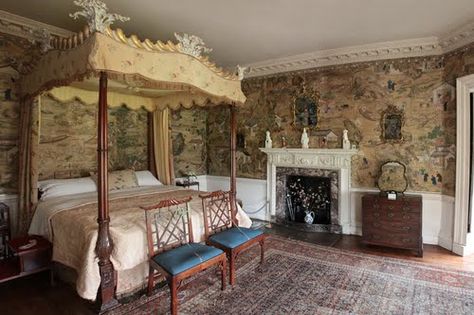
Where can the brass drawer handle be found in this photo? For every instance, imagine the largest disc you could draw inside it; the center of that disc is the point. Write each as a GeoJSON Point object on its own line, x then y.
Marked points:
{"type": "Point", "coordinates": [407, 228]}
{"type": "Point", "coordinates": [376, 214]}
{"type": "Point", "coordinates": [390, 207]}
{"type": "Point", "coordinates": [406, 216]}
{"type": "Point", "coordinates": [406, 240]}
{"type": "Point", "coordinates": [375, 224]}
{"type": "Point", "coordinates": [390, 214]}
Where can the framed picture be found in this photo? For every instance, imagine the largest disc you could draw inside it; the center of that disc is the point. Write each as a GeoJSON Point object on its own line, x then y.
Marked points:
{"type": "Point", "coordinates": [305, 111]}
{"type": "Point", "coordinates": [392, 122]}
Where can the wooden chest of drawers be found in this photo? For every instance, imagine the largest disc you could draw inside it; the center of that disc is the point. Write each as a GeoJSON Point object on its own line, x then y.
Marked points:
{"type": "Point", "coordinates": [393, 223]}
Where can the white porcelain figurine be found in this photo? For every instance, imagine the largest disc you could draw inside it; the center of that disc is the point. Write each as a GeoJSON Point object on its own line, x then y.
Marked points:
{"type": "Point", "coordinates": [304, 139]}
{"type": "Point", "coordinates": [346, 144]}
{"type": "Point", "coordinates": [268, 140]}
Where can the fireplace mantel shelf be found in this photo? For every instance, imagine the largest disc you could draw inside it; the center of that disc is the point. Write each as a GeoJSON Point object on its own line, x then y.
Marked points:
{"type": "Point", "coordinates": [309, 151]}
{"type": "Point", "coordinates": [297, 157]}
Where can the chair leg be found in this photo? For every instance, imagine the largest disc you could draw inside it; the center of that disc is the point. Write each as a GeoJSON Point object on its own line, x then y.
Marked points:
{"type": "Point", "coordinates": [223, 274]}
{"type": "Point", "coordinates": [150, 281]}
{"type": "Point", "coordinates": [232, 268]}
{"type": "Point", "coordinates": [174, 296]}
{"type": "Point", "coordinates": [262, 250]}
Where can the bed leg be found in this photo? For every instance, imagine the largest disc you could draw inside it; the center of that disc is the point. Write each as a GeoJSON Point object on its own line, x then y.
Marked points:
{"type": "Point", "coordinates": [51, 276]}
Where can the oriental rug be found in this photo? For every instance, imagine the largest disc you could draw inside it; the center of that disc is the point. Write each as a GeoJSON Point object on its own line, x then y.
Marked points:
{"type": "Point", "coordinates": [302, 278]}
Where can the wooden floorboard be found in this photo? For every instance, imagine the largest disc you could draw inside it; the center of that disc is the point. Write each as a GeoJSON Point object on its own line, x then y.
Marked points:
{"type": "Point", "coordinates": [34, 295]}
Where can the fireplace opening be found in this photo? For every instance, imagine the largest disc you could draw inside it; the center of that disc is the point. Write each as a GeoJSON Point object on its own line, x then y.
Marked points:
{"type": "Point", "coordinates": [308, 199]}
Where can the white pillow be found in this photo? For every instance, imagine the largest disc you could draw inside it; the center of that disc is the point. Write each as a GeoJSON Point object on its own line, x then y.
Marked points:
{"type": "Point", "coordinates": [146, 178]}
{"type": "Point", "coordinates": [62, 187]}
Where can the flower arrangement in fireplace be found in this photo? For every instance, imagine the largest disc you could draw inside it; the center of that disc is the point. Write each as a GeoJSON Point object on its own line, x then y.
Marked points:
{"type": "Point", "coordinates": [309, 198]}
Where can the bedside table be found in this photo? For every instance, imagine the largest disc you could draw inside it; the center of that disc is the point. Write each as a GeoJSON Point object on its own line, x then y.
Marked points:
{"type": "Point", "coordinates": [27, 260]}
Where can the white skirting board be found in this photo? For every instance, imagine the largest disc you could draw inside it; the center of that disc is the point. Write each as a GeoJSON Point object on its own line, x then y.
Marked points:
{"type": "Point", "coordinates": [438, 210]}
{"type": "Point", "coordinates": [252, 192]}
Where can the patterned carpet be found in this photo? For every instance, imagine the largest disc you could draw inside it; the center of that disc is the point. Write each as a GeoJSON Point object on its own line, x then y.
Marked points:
{"type": "Point", "coordinates": [301, 278]}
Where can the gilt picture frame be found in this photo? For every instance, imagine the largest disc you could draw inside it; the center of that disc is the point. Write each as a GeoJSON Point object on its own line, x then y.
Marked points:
{"type": "Point", "coordinates": [391, 124]}
{"type": "Point", "coordinates": [305, 110]}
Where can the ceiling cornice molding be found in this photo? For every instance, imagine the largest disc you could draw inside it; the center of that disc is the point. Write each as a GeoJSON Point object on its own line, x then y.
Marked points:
{"type": "Point", "coordinates": [419, 47]}
{"type": "Point", "coordinates": [457, 38]}
{"type": "Point", "coordinates": [23, 27]}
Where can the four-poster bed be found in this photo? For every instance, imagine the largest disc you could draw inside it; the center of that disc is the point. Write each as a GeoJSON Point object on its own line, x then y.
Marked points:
{"type": "Point", "coordinates": [160, 76]}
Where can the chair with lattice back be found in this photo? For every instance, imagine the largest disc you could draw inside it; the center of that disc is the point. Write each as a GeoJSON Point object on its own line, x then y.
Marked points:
{"type": "Point", "coordinates": [5, 232]}
{"type": "Point", "coordinates": [171, 248]}
{"type": "Point", "coordinates": [222, 231]}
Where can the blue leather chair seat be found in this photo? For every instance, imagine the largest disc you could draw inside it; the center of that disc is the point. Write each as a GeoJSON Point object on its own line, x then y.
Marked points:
{"type": "Point", "coordinates": [184, 257]}
{"type": "Point", "coordinates": [234, 237]}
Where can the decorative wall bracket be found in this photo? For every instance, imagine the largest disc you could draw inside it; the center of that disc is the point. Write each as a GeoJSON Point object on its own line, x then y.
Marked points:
{"type": "Point", "coordinates": [192, 45]}
{"type": "Point", "coordinates": [95, 12]}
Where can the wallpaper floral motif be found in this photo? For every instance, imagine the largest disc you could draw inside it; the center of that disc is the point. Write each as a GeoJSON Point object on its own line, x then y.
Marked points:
{"type": "Point", "coordinates": [353, 97]}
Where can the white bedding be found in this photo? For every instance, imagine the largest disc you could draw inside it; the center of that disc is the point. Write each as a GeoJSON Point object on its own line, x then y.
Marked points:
{"type": "Point", "coordinates": [69, 222]}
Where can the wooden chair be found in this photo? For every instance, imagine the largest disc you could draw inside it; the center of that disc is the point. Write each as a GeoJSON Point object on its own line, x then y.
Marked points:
{"type": "Point", "coordinates": [5, 232]}
{"type": "Point", "coordinates": [222, 230]}
{"type": "Point", "coordinates": [171, 250]}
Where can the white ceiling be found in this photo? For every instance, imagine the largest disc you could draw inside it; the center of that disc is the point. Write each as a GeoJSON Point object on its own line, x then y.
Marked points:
{"type": "Point", "coordinates": [248, 31]}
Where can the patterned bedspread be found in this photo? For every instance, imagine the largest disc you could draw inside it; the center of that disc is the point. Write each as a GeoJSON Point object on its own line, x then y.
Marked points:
{"type": "Point", "coordinates": [70, 222]}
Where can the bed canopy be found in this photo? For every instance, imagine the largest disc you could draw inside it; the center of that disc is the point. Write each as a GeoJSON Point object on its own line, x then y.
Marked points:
{"type": "Point", "coordinates": [103, 65]}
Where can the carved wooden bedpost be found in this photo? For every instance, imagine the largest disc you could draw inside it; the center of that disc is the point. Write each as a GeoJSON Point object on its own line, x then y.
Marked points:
{"type": "Point", "coordinates": [106, 294]}
{"type": "Point", "coordinates": [233, 157]}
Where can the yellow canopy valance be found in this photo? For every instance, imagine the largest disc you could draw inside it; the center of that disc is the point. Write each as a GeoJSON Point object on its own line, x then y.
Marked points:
{"type": "Point", "coordinates": [160, 76]}
{"type": "Point", "coordinates": [66, 94]}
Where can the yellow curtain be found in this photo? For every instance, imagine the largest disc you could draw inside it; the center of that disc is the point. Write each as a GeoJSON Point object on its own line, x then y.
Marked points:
{"type": "Point", "coordinates": [163, 160]}
{"type": "Point", "coordinates": [28, 164]}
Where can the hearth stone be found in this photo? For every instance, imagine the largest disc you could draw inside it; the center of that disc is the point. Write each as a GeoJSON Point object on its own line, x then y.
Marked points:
{"type": "Point", "coordinates": [329, 228]}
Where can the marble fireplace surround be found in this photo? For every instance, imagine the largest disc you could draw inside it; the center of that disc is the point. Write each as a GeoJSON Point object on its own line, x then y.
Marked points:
{"type": "Point", "coordinates": [324, 159]}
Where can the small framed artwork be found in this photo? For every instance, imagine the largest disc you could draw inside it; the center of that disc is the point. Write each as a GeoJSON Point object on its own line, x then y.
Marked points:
{"type": "Point", "coordinates": [392, 122]}
{"type": "Point", "coordinates": [305, 111]}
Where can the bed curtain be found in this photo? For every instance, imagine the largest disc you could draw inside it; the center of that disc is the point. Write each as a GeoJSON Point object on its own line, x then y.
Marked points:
{"type": "Point", "coordinates": [161, 153]}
